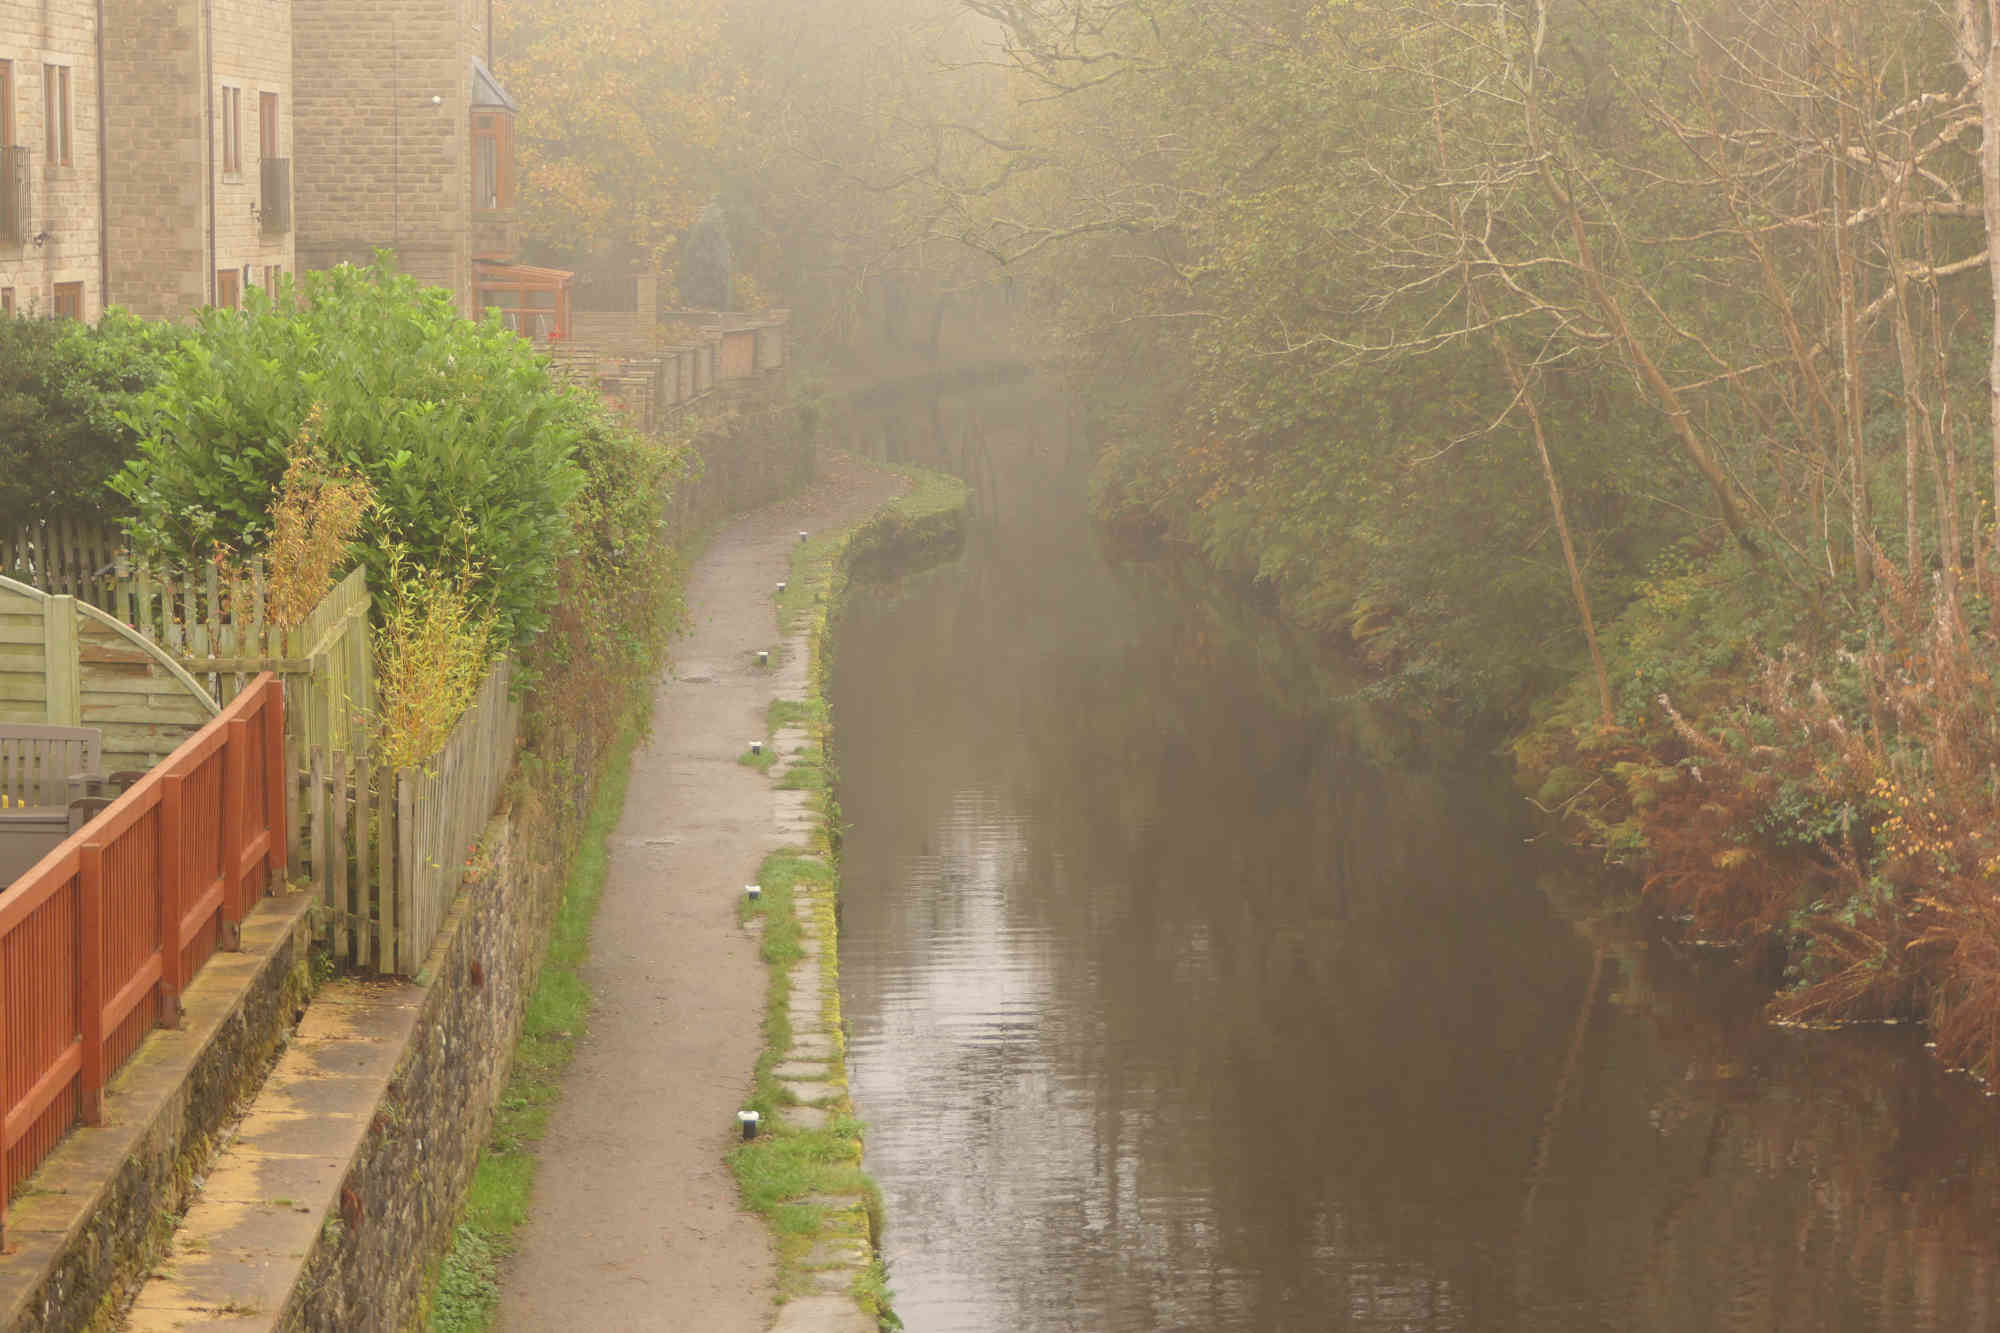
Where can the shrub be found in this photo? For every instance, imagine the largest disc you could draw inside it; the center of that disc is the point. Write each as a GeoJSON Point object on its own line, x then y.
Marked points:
{"type": "Point", "coordinates": [62, 388]}
{"type": "Point", "coordinates": [457, 427]}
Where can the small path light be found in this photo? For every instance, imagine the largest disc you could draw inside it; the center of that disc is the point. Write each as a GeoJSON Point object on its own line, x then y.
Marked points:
{"type": "Point", "coordinates": [763, 657]}
{"type": "Point", "coordinates": [781, 585]}
{"type": "Point", "coordinates": [748, 1119]}
{"type": "Point", "coordinates": [802, 534]}
{"type": "Point", "coordinates": [756, 747]}
{"type": "Point", "coordinates": [753, 891]}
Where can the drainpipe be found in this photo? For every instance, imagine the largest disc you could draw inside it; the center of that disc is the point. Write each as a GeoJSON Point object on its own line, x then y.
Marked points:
{"type": "Point", "coordinates": [208, 132]}
{"type": "Point", "coordinates": [103, 185]}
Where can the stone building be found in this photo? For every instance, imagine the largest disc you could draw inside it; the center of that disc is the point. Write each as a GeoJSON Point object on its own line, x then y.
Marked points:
{"type": "Point", "coordinates": [198, 126]}
{"type": "Point", "coordinates": [163, 185]}
{"type": "Point", "coordinates": [406, 144]}
{"type": "Point", "coordinates": [51, 218]}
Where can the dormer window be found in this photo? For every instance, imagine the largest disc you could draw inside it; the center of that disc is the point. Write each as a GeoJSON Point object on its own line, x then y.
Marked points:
{"type": "Point", "coordinates": [492, 143]}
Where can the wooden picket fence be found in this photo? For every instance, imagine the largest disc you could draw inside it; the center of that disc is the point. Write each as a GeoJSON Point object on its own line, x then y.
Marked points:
{"type": "Point", "coordinates": [217, 624]}
{"type": "Point", "coordinates": [215, 621]}
{"type": "Point", "coordinates": [386, 850]}
{"type": "Point", "coordinates": [70, 557]}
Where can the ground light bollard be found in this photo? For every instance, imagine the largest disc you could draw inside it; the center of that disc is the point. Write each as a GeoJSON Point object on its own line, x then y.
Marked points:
{"type": "Point", "coordinates": [763, 657]}
{"type": "Point", "coordinates": [781, 587]}
{"type": "Point", "coordinates": [753, 892]}
{"type": "Point", "coordinates": [802, 534]}
{"type": "Point", "coordinates": [748, 1119]}
{"type": "Point", "coordinates": [756, 747]}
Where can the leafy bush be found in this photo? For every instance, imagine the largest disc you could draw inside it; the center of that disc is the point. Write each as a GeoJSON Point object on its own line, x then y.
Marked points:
{"type": "Point", "coordinates": [457, 427]}
{"type": "Point", "coordinates": [62, 387]}
{"type": "Point", "coordinates": [619, 587]}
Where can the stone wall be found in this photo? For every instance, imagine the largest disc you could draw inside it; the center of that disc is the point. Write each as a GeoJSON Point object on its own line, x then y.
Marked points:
{"type": "Point", "coordinates": [400, 1199]}
{"type": "Point", "coordinates": [252, 41]}
{"type": "Point", "coordinates": [166, 69]}
{"type": "Point", "coordinates": [33, 35]}
{"type": "Point", "coordinates": [156, 122]}
{"type": "Point", "coordinates": [749, 457]}
{"type": "Point", "coordinates": [377, 161]}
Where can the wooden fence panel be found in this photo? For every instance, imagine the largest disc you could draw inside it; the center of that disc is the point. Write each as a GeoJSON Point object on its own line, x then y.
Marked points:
{"type": "Point", "coordinates": [386, 850]}
{"type": "Point", "coordinates": [73, 557]}
{"type": "Point", "coordinates": [24, 691]}
{"type": "Point", "coordinates": [98, 938]}
{"type": "Point", "coordinates": [448, 802]}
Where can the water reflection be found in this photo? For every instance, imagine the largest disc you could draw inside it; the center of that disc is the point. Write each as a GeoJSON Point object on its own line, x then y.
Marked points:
{"type": "Point", "coordinates": [1171, 1011]}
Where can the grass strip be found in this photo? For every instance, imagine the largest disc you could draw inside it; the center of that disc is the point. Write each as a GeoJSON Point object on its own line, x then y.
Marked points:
{"type": "Point", "coordinates": [466, 1296]}
{"type": "Point", "coordinates": [800, 1174]}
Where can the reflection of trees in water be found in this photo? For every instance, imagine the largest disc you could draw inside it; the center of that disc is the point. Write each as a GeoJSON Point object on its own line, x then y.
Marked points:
{"type": "Point", "coordinates": [1312, 1016]}
{"type": "Point", "coordinates": [1838, 1175]}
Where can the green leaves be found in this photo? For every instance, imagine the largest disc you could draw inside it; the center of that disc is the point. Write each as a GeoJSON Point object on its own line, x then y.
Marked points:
{"type": "Point", "coordinates": [466, 439]}
{"type": "Point", "coordinates": [64, 390]}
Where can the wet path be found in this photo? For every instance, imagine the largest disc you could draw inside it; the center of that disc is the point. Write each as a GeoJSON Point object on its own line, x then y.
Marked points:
{"type": "Point", "coordinates": [635, 1223]}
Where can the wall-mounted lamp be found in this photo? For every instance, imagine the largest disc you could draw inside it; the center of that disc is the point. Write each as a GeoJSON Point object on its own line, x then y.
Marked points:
{"type": "Point", "coordinates": [41, 238]}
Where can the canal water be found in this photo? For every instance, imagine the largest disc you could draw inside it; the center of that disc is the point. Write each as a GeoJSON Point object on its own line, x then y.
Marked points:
{"type": "Point", "coordinates": [1171, 1008]}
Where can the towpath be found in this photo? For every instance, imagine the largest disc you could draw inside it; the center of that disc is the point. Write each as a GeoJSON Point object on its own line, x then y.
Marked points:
{"type": "Point", "coordinates": [635, 1223]}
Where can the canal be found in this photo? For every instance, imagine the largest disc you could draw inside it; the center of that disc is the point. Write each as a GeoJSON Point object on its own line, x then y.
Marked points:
{"type": "Point", "coordinates": [1172, 1006]}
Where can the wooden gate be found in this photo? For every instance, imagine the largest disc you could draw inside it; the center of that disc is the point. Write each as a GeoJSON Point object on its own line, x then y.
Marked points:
{"type": "Point", "coordinates": [64, 662]}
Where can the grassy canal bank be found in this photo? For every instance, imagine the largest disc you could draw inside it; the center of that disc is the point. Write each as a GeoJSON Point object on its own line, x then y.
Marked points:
{"type": "Point", "coordinates": [803, 1174]}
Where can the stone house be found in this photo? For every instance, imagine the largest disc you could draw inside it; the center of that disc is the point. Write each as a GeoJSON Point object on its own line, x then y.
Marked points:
{"type": "Point", "coordinates": [51, 215]}
{"type": "Point", "coordinates": [145, 153]}
{"type": "Point", "coordinates": [406, 144]}
{"type": "Point", "coordinates": [198, 123]}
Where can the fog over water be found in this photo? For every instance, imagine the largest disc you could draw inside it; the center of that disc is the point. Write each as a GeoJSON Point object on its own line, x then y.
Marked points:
{"type": "Point", "coordinates": [1171, 1009]}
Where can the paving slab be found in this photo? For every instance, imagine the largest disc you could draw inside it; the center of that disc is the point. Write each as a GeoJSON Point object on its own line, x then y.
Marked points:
{"type": "Point", "coordinates": [822, 1314]}
{"type": "Point", "coordinates": [237, 1253]}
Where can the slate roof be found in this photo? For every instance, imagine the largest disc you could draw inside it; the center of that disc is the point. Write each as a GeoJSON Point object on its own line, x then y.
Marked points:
{"type": "Point", "coordinates": [486, 90]}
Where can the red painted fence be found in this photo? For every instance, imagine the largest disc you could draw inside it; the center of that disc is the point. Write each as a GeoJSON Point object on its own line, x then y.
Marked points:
{"type": "Point", "coordinates": [98, 940]}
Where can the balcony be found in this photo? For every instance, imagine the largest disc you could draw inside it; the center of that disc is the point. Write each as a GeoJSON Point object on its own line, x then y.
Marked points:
{"type": "Point", "coordinates": [274, 208]}
{"type": "Point", "coordinates": [16, 217]}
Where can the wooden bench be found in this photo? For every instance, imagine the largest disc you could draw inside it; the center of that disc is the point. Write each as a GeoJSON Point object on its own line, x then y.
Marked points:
{"type": "Point", "coordinates": [50, 785]}
{"type": "Point", "coordinates": [47, 766]}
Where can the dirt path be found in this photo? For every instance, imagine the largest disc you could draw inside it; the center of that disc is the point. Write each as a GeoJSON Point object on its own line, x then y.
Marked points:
{"type": "Point", "coordinates": [635, 1223]}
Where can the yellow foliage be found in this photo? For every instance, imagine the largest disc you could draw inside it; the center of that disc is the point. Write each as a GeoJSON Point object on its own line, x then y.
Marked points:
{"type": "Point", "coordinates": [622, 104]}
{"type": "Point", "coordinates": [430, 658]}
{"type": "Point", "coordinates": [317, 511]}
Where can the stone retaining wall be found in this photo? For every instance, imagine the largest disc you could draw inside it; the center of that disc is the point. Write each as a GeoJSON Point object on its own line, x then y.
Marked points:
{"type": "Point", "coordinates": [88, 1224]}
{"type": "Point", "coordinates": [400, 1199]}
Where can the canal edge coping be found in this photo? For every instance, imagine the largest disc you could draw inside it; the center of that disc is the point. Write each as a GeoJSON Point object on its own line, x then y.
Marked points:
{"type": "Point", "coordinates": [838, 1283]}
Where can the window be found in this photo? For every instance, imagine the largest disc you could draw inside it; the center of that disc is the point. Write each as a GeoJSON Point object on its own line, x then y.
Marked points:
{"type": "Point", "coordinates": [272, 272]}
{"type": "Point", "coordinates": [69, 300]}
{"type": "Point", "coordinates": [492, 161]}
{"type": "Point", "coordinates": [55, 92]}
{"type": "Point", "coordinates": [228, 289]}
{"type": "Point", "coordinates": [6, 300]}
{"type": "Point", "coordinates": [6, 103]}
{"type": "Point", "coordinates": [232, 131]}
{"type": "Point", "coordinates": [267, 125]}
